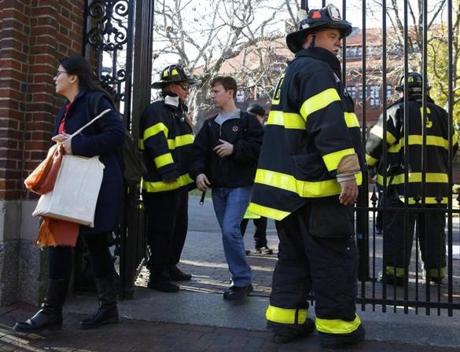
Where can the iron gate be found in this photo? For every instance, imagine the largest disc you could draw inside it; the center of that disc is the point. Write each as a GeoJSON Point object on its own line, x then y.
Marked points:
{"type": "Point", "coordinates": [119, 42]}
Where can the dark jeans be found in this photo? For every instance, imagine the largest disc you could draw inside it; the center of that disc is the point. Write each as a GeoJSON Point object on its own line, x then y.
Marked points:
{"type": "Point", "coordinates": [60, 258]}
{"type": "Point", "coordinates": [260, 236]}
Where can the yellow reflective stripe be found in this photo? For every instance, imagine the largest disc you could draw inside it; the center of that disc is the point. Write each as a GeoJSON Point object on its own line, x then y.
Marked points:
{"type": "Point", "coordinates": [428, 200]}
{"type": "Point", "coordinates": [140, 144]}
{"type": "Point", "coordinates": [394, 271]}
{"type": "Point", "coordinates": [318, 102]}
{"type": "Point", "coordinates": [378, 131]}
{"type": "Point", "coordinates": [163, 160]}
{"type": "Point", "coordinates": [337, 326]}
{"type": "Point", "coordinates": [430, 140]}
{"type": "Point", "coordinates": [437, 273]}
{"type": "Point", "coordinates": [161, 186]}
{"type": "Point", "coordinates": [351, 120]}
{"type": "Point", "coordinates": [305, 189]}
{"type": "Point", "coordinates": [371, 161]}
{"type": "Point", "coordinates": [332, 160]}
{"type": "Point", "coordinates": [414, 177]}
{"type": "Point", "coordinates": [180, 141]}
{"type": "Point", "coordinates": [155, 129]}
{"type": "Point", "coordinates": [267, 211]}
{"type": "Point", "coordinates": [395, 148]}
{"type": "Point", "coordinates": [288, 120]}
{"type": "Point", "coordinates": [286, 316]}
{"type": "Point", "coordinates": [250, 215]}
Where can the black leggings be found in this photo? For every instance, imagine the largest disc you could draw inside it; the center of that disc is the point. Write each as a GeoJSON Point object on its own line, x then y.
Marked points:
{"type": "Point", "coordinates": [60, 259]}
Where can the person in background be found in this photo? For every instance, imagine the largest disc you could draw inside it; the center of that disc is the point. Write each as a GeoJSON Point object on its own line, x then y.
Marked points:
{"type": "Point", "coordinates": [74, 81]}
{"type": "Point", "coordinates": [260, 223]}
{"type": "Point", "coordinates": [399, 225]}
{"type": "Point", "coordinates": [166, 138]}
{"type": "Point", "coordinates": [224, 157]}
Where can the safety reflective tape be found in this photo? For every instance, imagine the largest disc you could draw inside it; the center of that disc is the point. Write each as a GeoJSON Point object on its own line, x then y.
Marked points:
{"type": "Point", "coordinates": [437, 273]}
{"type": "Point", "coordinates": [305, 189]}
{"type": "Point", "coordinates": [430, 140]}
{"type": "Point", "coordinates": [318, 102]}
{"type": "Point", "coordinates": [267, 211]}
{"type": "Point", "coordinates": [161, 186]}
{"type": "Point", "coordinates": [286, 119]}
{"type": "Point", "coordinates": [332, 160]}
{"type": "Point", "coordinates": [415, 177]}
{"type": "Point", "coordinates": [378, 132]}
{"type": "Point", "coordinates": [286, 316]}
{"type": "Point", "coordinates": [337, 326]}
{"type": "Point", "coordinates": [351, 120]}
{"type": "Point", "coordinates": [163, 160]}
{"type": "Point", "coordinates": [371, 161]}
{"type": "Point", "coordinates": [180, 141]}
{"type": "Point", "coordinates": [394, 271]}
{"type": "Point", "coordinates": [428, 200]}
{"type": "Point", "coordinates": [174, 72]}
{"type": "Point", "coordinates": [155, 129]}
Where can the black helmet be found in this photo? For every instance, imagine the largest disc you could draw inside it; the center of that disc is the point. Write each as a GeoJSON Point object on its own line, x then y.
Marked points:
{"type": "Point", "coordinates": [173, 74]}
{"type": "Point", "coordinates": [256, 109]}
{"type": "Point", "coordinates": [327, 17]}
{"type": "Point", "coordinates": [414, 83]}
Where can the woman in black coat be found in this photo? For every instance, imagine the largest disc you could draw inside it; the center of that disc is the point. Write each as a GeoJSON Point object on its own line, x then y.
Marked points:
{"type": "Point", "coordinates": [104, 137]}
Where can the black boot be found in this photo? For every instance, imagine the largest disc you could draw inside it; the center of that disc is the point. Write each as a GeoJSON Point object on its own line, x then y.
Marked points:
{"type": "Point", "coordinates": [284, 333]}
{"type": "Point", "coordinates": [108, 311]}
{"type": "Point", "coordinates": [49, 317]}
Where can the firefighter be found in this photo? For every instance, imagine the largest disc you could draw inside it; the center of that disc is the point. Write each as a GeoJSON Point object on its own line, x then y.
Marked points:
{"type": "Point", "coordinates": [434, 164]}
{"type": "Point", "coordinates": [166, 138]}
{"type": "Point", "coordinates": [307, 179]}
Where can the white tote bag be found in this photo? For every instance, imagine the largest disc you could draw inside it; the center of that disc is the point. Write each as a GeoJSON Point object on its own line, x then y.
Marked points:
{"type": "Point", "coordinates": [76, 190]}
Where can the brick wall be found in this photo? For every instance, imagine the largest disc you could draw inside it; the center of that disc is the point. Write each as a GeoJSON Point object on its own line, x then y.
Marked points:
{"type": "Point", "coordinates": [34, 34]}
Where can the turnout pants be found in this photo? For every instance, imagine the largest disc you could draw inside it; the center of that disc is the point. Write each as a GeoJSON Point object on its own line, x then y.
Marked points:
{"type": "Point", "coordinates": [399, 236]}
{"type": "Point", "coordinates": [326, 266]}
{"type": "Point", "coordinates": [167, 221]}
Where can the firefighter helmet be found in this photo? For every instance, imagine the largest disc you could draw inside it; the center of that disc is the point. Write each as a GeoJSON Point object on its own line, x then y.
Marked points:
{"type": "Point", "coordinates": [173, 74]}
{"type": "Point", "coordinates": [256, 109]}
{"type": "Point", "coordinates": [414, 83]}
{"type": "Point", "coordinates": [316, 20]}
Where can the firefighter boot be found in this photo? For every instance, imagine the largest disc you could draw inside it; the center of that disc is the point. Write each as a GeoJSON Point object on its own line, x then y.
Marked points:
{"type": "Point", "coordinates": [178, 275]}
{"type": "Point", "coordinates": [49, 317]}
{"type": "Point", "coordinates": [342, 340]}
{"type": "Point", "coordinates": [108, 311]}
{"type": "Point", "coordinates": [284, 333]}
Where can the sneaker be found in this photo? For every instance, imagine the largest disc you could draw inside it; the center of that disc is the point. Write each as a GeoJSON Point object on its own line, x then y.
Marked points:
{"type": "Point", "coordinates": [284, 333]}
{"type": "Point", "coordinates": [163, 286]}
{"type": "Point", "coordinates": [236, 293]}
{"type": "Point", "coordinates": [342, 340]}
{"type": "Point", "coordinates": [264, 250]}
{"type": "Point", "coordinates": [178, 275]}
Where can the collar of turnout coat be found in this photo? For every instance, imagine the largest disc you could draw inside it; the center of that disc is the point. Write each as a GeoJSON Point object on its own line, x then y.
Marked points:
{"type": "Point", "coordinates": [323, 55]}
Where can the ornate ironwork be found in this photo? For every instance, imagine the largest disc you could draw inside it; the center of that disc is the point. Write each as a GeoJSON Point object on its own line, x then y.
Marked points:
{"type": "Point", "coordinates": [108, 34]}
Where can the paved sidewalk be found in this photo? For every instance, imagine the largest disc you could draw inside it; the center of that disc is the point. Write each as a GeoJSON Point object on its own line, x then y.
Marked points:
{"type": "Point", "coordinates": [198, 319]}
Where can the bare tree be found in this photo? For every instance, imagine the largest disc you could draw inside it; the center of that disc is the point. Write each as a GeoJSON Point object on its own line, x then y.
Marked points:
{"type": "Point", "coordinates": [203, 35]}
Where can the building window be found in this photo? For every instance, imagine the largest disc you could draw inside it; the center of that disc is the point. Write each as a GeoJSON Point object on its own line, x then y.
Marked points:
{"type": "Point", "coordinates": [352, 91]}
{"type": "Point", "coordinates": [374, 95]}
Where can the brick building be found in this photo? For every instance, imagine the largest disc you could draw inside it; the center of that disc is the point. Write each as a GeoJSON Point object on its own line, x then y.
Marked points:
{"type": "Point", "coordinates": [34, 34]}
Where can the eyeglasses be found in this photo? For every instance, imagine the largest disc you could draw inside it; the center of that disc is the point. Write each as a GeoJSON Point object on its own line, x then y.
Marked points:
{"type": "Point", "coordinates": [59, 72]}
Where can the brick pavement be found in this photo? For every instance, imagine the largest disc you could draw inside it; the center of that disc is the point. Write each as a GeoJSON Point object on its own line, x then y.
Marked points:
{"type": "Point", "coordinates": [139, 336]}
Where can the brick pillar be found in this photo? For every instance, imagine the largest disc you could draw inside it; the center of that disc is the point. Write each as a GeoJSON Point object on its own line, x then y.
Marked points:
{"type": "Point", "coordinates": [34, 34]}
